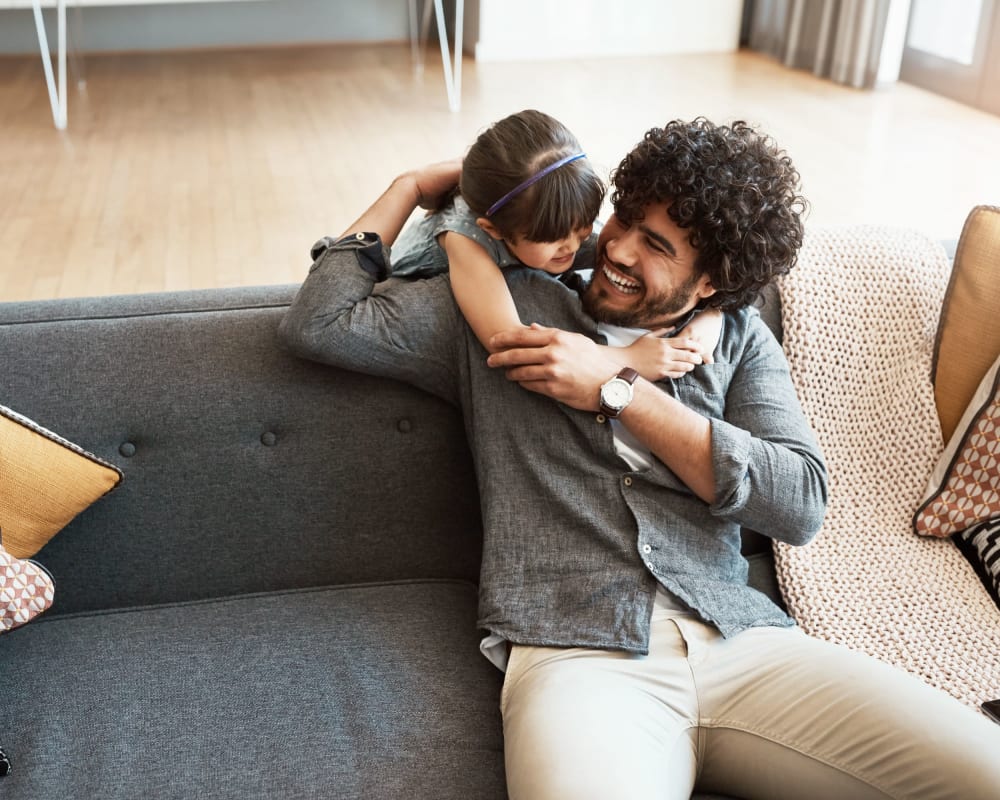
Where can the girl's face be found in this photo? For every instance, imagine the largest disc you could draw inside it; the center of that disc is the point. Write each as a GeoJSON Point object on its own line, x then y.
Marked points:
{"type": "Point", "coordinates": [552, 257]}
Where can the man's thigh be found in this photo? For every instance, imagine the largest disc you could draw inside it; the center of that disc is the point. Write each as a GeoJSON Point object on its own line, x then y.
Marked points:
{"type": "Point", "coordinates": [593, 724]}
{"type": "Point", "coordinates": [784, 715]}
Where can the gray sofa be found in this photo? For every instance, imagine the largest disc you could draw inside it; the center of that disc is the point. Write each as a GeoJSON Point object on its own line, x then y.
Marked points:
{"type": "Point", "coordinates": [279, 601]}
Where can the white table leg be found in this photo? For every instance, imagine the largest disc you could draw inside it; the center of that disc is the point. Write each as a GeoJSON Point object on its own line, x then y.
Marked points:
{"type": "Point", "coordinates": [414, 28]}
{"type": "Point", "coordinates": [459, 23]}
{"type": "Point", "coordinates": [61, 24]}
{"type": "Point", "coordinates": [57, 95]}
{"type": "Point", "coordinates": [452, 80]}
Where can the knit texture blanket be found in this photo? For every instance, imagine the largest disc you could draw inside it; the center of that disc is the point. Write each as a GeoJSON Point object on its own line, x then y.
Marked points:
{"type": "Point", "coordinates": [860, 313]}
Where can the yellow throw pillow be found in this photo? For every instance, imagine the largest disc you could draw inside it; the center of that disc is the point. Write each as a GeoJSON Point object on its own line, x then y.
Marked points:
{"type": "Point", "coordinates": [45, 481]}
{"type": "Point", "coordinates": [968, 338]}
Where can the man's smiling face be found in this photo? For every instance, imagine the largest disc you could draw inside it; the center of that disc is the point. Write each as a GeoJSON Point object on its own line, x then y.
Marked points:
{"type": "Point", "coordinates": [645, 274]}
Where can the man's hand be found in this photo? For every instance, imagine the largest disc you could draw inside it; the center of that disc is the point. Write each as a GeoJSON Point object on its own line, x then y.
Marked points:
{"type": "Point", "coordinates": [567, 367]}
{"type": "Point", "coordinates": [570, 368]}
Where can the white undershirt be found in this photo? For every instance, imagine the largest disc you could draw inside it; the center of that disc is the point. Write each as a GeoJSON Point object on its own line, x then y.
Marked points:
{"type": "Point", "coordinates": [632, 452]}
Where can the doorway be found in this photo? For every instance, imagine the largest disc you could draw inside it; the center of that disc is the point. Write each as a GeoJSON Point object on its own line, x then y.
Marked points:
{"type": "Point", "coordinates": [953, 48]}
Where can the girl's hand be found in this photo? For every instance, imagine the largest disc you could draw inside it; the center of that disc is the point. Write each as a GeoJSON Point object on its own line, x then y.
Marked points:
{"type": "Point", "coordinates": [706, 328]}
{"type": "Point", "coordinates": [655, 358]}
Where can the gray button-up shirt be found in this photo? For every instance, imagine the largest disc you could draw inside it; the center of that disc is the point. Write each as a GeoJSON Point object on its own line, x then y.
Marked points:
{"type": "Point", "coordinates": [574, 541]}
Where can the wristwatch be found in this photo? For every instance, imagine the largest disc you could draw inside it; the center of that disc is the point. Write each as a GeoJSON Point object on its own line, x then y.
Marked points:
{"type": "Point", "coordinates": [616, 394]}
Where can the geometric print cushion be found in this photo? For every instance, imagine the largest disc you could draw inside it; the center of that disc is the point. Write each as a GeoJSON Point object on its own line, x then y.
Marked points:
{"type": "Point", "coordinates": [964, 488]}
{"type": "Point", "coordinates": [26, 590]}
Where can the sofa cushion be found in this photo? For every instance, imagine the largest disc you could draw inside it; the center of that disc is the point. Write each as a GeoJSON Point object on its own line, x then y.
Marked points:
{"type": "Point", "coordinates": [968, 336]}
{"type": "Point", "coordinates": [45, 481]}
{"type": "Point", "coordinates": [963, 492]}
{"type": "Point", "coordinates": [964, 487]}
{"type": "Point", "coordinates": [349, 692]}
{"type": "Point", "coordinates": [26, 590]}
{"type": "Point", "coordinates": [247, 469]}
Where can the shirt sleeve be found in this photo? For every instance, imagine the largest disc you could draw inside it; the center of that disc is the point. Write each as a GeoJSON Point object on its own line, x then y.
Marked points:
{"type": "Point", "coordinates": [769, 471]}
{"type": "Point", "coordinates": [348, 315]}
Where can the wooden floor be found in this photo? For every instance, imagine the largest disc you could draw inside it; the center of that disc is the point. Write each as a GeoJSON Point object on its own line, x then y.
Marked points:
{"type": "Point", "coordinates": [203, 169]}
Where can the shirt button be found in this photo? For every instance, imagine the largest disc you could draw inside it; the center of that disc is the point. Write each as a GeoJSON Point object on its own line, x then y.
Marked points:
{"type": "Point", "coordinates": [628, 481]}
{"type": "Point", "coordinates": [647, 549]}
{"type": "Point", "coordinates": [649, 565]}
{"type": "Point", "coordinates": [359, 236]}
{"type": "Point", "coordinates": [601, 419]}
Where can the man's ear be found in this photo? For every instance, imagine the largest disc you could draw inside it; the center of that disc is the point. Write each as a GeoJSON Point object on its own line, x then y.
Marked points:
{"type": "Point", "coordinates": [704, 288]}
{"type": "Point", "coordinates": [489, 227]}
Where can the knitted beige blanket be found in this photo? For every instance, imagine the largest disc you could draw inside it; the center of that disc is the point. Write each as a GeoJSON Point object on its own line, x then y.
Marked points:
{"type": "Point", "coordinates": [860, 313]}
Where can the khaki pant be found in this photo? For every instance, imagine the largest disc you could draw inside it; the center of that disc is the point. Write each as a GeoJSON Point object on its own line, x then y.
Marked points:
{"type": "Point", "coordinates": [769, 714]}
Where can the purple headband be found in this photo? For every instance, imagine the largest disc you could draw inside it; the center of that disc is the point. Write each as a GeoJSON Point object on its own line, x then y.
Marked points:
{"type": "Point", "coordinates": [533, 179]}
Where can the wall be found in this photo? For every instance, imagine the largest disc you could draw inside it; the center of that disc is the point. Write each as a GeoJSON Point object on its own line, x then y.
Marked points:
{"type": "Point", "coordinates": [208, 24]}
{"type": "Point", "coordinates": [546, 29]}
{"type": "Point", "coordinates": [493, 30]}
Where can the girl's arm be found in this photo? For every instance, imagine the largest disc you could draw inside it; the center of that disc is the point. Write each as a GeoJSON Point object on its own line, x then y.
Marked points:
{"type": "Point", "coordinates": [656, 358]}
{"type": "Point", "coordinates": [479, 288]}
{"type": "Point", "coordinates": [421, 187]}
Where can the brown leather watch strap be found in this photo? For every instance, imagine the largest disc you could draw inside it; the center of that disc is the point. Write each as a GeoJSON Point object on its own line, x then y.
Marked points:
{"type": "Point", "coordinates": [628, 374]}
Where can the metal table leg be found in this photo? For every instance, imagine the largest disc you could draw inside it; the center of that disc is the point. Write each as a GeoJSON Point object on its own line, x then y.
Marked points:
{"type": "Point", "coordinates": [452, 70]}
{"type": "Point", "coordinates": [57, 95]}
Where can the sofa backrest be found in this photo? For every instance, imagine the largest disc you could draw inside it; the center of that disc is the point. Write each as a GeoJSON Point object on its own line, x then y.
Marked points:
{"type": "Point", "coordinates": [246, 469]}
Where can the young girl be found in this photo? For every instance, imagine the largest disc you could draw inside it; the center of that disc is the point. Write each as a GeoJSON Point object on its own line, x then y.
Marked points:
{"type": "Point", "coordinates": [528, 196]}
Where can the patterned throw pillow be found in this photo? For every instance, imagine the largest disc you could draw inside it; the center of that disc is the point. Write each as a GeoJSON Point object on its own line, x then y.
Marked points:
{"type": "Point", "coordinates": [45, 481]}
{"type": "Point", "coordinates": [981, 545]}
{"type": "Point", "coordinates": [26, 590]}
{"type": "Point", "coordinates": [963, 493]}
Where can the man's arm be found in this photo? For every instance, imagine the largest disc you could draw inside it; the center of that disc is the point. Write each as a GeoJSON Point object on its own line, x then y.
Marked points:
{"type": "Point", "coordinates": [341, 316]}
{"type": "Point", "coordinates": [761, 469]}
{"type": "Point", "coordinates": [570, 368]}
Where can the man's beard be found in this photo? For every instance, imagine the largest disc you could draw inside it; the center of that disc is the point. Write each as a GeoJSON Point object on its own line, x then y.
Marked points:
{"type": "Point", "coordinates": [652, 312]}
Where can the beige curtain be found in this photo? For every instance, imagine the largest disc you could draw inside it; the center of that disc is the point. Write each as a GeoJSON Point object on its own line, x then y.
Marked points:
{"type": "Point", "coordinates": [836, 39]}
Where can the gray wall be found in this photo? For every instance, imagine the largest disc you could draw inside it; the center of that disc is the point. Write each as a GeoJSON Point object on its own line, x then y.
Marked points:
{"type": "Point", "coordinates": [202, 25]}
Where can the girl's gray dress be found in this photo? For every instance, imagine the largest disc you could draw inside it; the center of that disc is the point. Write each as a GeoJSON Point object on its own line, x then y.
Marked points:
{"type": "Point", "coordinates": [417, 254]}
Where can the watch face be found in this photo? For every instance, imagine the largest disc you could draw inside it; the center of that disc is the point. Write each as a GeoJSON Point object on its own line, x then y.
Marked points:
{"type": "Point", "coordinates": [616, 393]}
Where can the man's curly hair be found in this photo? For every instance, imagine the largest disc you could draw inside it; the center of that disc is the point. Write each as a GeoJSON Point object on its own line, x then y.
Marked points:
{"type": "Point", "coordinates": [731, 188]}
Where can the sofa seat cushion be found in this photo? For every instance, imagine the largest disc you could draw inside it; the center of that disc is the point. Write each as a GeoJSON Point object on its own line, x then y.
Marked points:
{"type": "Point", "coordinates": [347, 692]}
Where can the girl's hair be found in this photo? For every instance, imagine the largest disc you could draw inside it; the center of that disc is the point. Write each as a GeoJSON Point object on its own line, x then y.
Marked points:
{"type": "Point", "coordinates": [510, 152]}
{"type": "Point", "coordinates": [734, 191]}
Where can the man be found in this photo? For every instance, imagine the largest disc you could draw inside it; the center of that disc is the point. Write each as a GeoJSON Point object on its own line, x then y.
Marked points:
{"type": "Point", "coordinates": [640, 662]}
